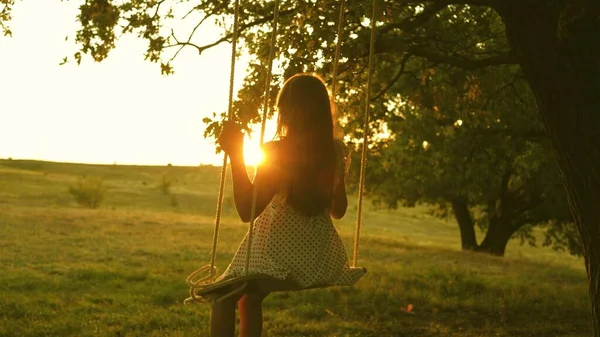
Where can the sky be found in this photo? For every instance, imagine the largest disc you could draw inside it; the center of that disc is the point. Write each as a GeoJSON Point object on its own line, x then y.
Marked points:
{"type": "Point", "coordinates": [121, 110]}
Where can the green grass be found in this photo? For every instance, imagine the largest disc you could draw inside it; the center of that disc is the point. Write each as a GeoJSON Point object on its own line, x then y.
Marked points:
{"type": "Point", "coordinates": [120, 270]}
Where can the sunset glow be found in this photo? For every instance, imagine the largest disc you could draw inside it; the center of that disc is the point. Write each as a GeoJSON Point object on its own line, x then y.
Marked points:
{"type": "Point", "coordinates": [121, 110]}
{"type": "Point", "coordinates": [253, 155]}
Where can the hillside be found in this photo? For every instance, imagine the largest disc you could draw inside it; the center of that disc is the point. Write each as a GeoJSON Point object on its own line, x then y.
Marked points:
{"type": "Point", "coordinates": [120, 270]}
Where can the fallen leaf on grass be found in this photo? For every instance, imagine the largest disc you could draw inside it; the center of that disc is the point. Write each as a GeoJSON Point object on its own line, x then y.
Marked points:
{"type": "Point", "coordinates": [408, 309]}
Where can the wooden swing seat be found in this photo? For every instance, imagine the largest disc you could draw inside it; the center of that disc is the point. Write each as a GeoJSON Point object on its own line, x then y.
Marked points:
{"type": "Point", "coordinates": [260, 283]}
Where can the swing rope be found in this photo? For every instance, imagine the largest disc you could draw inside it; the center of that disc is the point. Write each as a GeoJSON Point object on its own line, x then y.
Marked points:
{"type": "Point", "coordinates": [363, 157]}
{"type": "Point", "coordinates": [262, 128]}
{"type": "Point", "coordinates": [212, 269]}
{"type": "Point", "coordinates": [338, 49]}
{"type": "Point", "coordinates": [229, 117]}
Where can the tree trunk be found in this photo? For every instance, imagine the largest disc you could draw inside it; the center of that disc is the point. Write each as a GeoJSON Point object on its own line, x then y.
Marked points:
{"type": "Point", "coordinates": [559, 52]}
{"type": "Point", "coordinates": [497, 237]}
{"type": "Point", "coordinates": [465, 223]}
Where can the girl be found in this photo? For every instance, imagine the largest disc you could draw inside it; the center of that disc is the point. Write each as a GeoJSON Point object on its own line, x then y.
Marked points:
{"type": "Point", "coordinates": [300, 187]}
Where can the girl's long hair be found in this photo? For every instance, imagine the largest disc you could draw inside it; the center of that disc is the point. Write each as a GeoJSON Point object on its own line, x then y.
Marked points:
{"type": "Point", "coordinates": [306, 129]}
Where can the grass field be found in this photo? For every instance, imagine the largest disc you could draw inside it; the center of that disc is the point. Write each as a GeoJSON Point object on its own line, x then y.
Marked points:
{"type": "Point", "coordinates": [120, 270]}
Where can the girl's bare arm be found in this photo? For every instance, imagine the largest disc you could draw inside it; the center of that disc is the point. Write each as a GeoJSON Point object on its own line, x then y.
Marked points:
{"type": "Point", "coordinates": [265, 182]}
{"type": "Point", "coordinates": [339, 202]}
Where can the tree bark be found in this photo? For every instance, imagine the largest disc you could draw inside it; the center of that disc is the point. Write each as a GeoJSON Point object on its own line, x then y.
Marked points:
{"type": "Point", "coordinates": [465, 223]}
{"type": "Point", "coordinates": [497, 237]}
{"type": "Point", "coordinates": [559, 52]}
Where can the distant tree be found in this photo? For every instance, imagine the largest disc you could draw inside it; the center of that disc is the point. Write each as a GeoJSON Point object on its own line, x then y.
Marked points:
{"type": "Point", "coordinates": [478, 153]}
{"type": "Point", "coordinates": [556, 44]}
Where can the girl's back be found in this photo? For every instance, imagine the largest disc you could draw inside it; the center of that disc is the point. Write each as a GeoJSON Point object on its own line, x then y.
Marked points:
{"type": "Point", "coordinates": [307, 189]}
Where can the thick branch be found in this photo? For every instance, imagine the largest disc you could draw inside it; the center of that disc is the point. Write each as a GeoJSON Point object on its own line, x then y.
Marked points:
{"type": "Point", "coordinates": [529, 134]}
{"type": "Point", "coordinates": [387, 44]}
{"type": "Point", "coordinates": [498, 91]}
{"type": "Point", "coordinates": [463, 63]}
{"type": "Point", "coordinates": [395, 79]}
{"type": "Point", "coordinates": [228, 36]}
{"type": "Point", "coordinates": [188, 42]}
{"type": "Point", "coordinates": [488, 3]}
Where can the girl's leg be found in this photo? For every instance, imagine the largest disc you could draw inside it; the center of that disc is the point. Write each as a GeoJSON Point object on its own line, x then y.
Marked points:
{"type": "Point", "coordinates": [222, 318]}
{"type": "Point", "coordinates": [251, 320]}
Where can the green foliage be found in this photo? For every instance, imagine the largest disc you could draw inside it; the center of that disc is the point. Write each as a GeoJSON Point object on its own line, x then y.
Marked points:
{"type": "Point", "coordinates": [476, 138]}
{"type": "Point", "coordinates": [563, 236]}
{"type": "Point", "coordinates": [413, 39]}
{"type": "Point", "coordinates": [306, 40]}
{"type": "Point", "coordinates": [88, 191]}
{"type": "Point", "coordinates": [5, 16]}
{"type": "Point", "coordinates": [100, 26]}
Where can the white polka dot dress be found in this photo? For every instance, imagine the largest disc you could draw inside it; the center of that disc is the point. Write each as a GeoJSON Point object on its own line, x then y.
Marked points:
{"type": "Point", "coordinates": [289, 245]}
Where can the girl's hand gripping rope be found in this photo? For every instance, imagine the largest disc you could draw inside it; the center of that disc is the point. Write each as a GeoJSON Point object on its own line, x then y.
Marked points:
{"type": "Point", "coordinates": [231, 138]}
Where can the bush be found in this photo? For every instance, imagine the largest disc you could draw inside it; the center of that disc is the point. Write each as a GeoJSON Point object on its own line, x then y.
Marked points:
{"type": "Point", "coordinates": [88, 192]}
{"type": "Point", "coordinates": [165, 183]}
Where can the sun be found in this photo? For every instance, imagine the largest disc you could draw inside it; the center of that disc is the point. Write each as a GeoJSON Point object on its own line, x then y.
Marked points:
{"type": "Point", "coordinates": [253, 154]}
